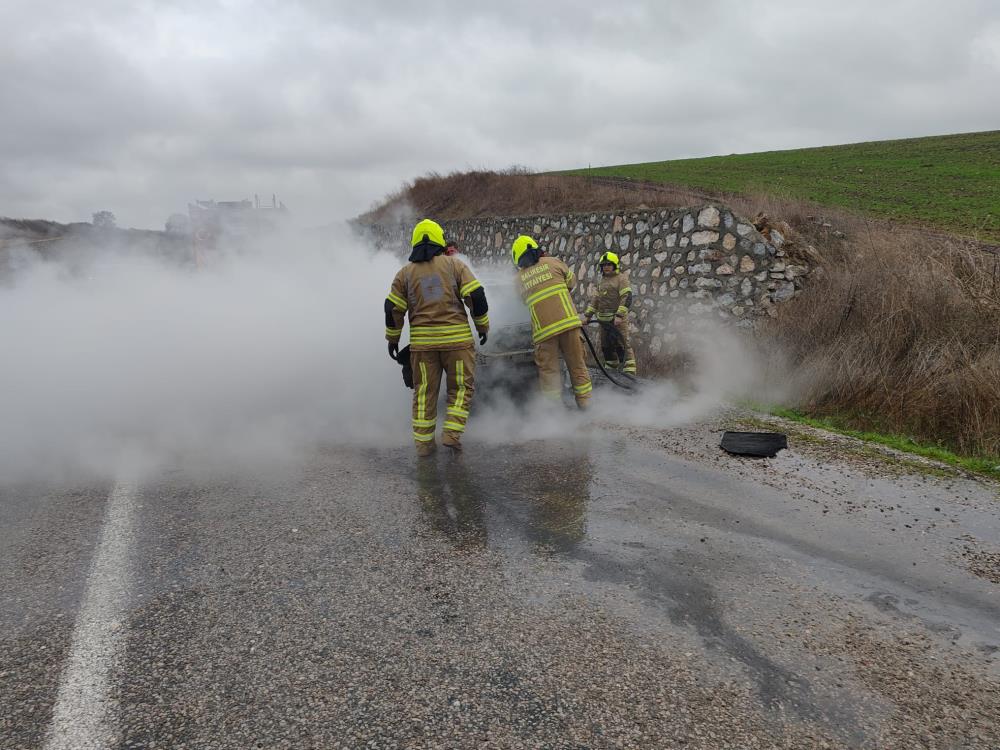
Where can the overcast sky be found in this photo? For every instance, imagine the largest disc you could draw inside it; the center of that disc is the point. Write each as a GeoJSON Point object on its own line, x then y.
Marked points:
{"type": "Point", "coordinates": [140, 107]}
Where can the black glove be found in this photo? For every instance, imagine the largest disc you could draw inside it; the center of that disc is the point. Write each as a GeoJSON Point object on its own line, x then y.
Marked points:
{"type": "Point", "coordinates": [482, 338]}
{"type": "Point", "coordinates": [394, 349]}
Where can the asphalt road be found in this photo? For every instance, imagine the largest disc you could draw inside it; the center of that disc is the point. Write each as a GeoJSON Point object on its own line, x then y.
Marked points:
{"type": "Point", "coordinates": [621, 589]}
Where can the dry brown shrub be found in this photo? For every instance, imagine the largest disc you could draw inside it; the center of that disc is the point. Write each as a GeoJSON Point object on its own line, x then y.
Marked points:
{"type": "Point", "coordinates": [901, 332]}
{"type": "Point", "coordinates": [898, 330]}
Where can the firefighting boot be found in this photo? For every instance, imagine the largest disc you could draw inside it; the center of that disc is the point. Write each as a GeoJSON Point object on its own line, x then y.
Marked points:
{"type": "Point", "coordinates": [426, 449]}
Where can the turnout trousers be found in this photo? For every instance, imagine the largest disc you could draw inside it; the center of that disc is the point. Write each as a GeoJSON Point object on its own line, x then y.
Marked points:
{"type": "Point", "coordinates": [570, 344]}
{"type": "Point", "coordinates": [617, 350]}
{"type": "Point", "coordinates": [459, 369]}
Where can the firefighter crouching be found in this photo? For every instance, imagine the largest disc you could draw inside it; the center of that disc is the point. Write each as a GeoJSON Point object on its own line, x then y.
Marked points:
{"type": "Point", "coordinates": [611, 303]}
{"type": "Point", "coordinates": [545, 284]}
{"type": "Point", "coordinates": [433, 290]}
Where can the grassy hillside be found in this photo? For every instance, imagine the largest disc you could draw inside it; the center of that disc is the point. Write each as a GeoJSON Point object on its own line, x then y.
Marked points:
{"type": "Point", "coordinates": [950, 182]}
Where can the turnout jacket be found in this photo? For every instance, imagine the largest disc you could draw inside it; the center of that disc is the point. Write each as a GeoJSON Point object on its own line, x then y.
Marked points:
{"type": "Point", "coordinates": [434, 294]}
{"type": "Point", "coordinates": [545, 289]}
{"type": "Point", "coordinates": [613, 297]}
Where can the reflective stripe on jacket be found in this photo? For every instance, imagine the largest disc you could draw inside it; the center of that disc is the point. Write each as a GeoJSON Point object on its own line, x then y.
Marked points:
{"type": "Point", "coordinates": [433, 296]}
{"type": "Point", "coordinates": [545, 289]}
{"type": "Point", "coordinates": [613, 297]}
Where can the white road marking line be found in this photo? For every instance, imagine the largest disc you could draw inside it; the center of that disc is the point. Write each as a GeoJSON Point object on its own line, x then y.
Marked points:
{"type": "Point", "coordinates": [84, 716]}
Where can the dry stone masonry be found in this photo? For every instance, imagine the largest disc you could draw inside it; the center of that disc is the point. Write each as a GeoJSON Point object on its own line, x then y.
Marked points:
{"type": "Point", "coordinates": [689, 267]}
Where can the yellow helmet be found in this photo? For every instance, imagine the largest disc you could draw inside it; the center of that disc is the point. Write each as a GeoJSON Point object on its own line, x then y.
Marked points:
{"type": "Point", "coordinates": [427, 230]}
{"type": "Point", "coordinates": [609, 258]}
{"type": "Point", "coordinates": [521, 244]}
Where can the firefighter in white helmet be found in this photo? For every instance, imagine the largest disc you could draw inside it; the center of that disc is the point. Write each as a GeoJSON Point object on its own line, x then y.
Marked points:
{"type": "Point", "coordinates": [545, 284]}
{"type": "Point", "coordinates": [433, 290]}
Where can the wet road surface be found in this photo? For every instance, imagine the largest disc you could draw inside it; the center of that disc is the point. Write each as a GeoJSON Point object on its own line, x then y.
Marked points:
{"type": "Point", "coordinates": [609, 591]}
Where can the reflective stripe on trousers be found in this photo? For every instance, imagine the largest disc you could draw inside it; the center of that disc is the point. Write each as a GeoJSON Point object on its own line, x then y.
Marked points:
{"type": "Point", "coordinates": [459, 367]}
{"type": "Point", "coordinates": [570, 345]}
{"type": "Point", "coordinates": [617, 349]}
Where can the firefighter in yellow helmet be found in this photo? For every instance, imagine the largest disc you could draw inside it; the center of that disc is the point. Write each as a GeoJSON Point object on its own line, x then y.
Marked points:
{"type": "Point", "coordinates": [611, 304]}
{"type": "Point", "coordinates": [433, 290]}
{"type": "Point", "coordinates": [545, 284]}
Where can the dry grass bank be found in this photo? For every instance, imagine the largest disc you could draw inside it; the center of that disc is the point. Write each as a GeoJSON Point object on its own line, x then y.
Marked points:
{"type": "Point", "coordinates": [900, 332]}
{"type": "Point", "coordinates": [463, 195]}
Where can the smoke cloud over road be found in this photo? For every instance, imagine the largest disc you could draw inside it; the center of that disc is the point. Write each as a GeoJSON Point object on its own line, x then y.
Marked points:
{"type": "Point", "coordinates": [130, 361]}
{"type": "Point", "coordinates": [127, 363]}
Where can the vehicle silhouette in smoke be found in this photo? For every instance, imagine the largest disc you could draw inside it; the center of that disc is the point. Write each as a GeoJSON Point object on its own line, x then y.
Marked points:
{"type": "Point", "coordinates": [506, 367]}
{"type": "Point", "coordinates": [506, 370]}
{"type": "Point", "coordinates": [219, 226]}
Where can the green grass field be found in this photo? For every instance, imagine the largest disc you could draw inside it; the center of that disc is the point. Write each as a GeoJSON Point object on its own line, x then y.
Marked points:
{"type": "Point", "coordinates": [949, 182]}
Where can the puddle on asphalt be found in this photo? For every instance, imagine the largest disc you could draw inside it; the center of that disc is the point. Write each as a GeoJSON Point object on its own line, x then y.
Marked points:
{"type": "Point", "coordinates": [543, 496]}
{"type": "Point", "coordinates": [582, 501]}
{"type": "Point", "coordinates": [544, 499]}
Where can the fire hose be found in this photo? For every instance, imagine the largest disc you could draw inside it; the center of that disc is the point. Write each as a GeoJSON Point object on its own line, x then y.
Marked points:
{"type": "Point", "coordinates": [627, 386]}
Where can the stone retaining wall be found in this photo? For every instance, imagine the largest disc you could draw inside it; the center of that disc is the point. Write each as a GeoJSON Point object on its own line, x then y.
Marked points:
{"type": "Point", "coordinates": [687, 266]}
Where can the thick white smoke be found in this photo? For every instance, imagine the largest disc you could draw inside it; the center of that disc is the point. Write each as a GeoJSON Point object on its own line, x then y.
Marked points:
{"type": "Point", "coordinates": [137, 361]}
{"type": "Point", "coordinates": [126, 363]}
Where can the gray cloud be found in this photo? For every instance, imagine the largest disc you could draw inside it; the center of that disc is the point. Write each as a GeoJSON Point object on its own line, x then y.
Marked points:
{"type": "Point", "coordinates": [141, 107]}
